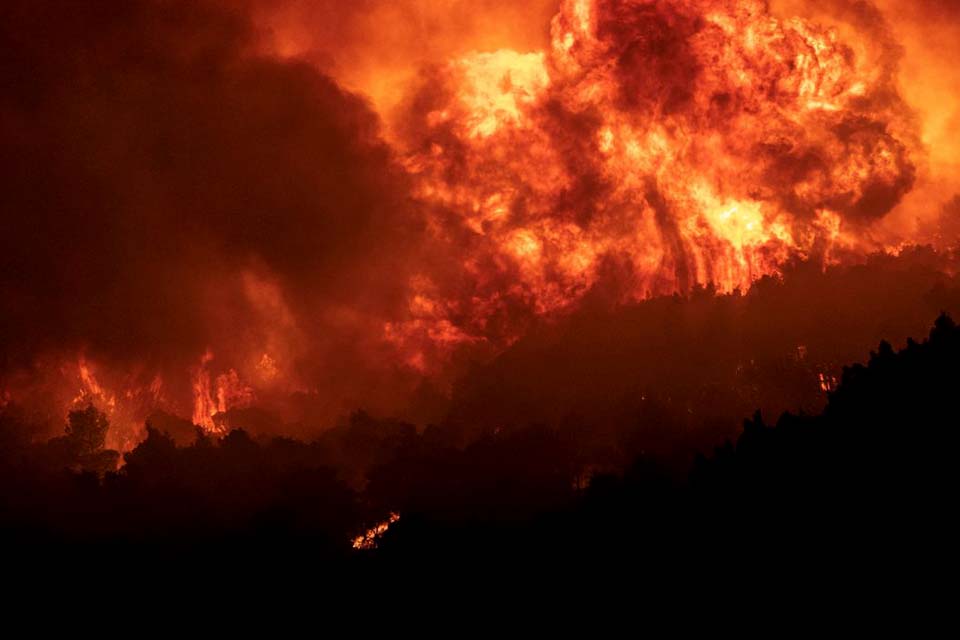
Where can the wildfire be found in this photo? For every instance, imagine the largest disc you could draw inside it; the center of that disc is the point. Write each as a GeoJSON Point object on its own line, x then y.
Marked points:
{"type": "Point", "coordinates": [644, 148]}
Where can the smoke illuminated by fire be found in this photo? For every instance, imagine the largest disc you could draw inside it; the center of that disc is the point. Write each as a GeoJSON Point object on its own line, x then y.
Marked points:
{"type": "Point", "coordinates": [494, 166]}
{"type": "Point", "coordinates": [678, 143]}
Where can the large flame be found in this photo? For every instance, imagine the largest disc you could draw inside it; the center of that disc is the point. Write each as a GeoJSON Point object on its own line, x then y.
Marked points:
{"type": "Point", "coordinates": [213, 397]}
{"type": "Point", "coordinates": [679, 143]}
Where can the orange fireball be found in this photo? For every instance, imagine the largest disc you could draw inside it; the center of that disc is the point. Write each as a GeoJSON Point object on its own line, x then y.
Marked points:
{"type": "Point", "coordinates": [675, 143]}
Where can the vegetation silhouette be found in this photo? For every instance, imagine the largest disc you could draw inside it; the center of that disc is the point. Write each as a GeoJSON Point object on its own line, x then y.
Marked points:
{"type": "Point", "coordinates": [870, 474]}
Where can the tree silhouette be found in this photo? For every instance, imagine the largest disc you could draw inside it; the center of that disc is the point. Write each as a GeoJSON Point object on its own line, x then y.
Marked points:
{"type": "Point", "coordinates": [81, 448]}
{"type": "Point", "coordinates": [86, 430]}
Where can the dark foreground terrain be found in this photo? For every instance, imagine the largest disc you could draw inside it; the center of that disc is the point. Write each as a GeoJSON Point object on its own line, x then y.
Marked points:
{"type": "Point", "coordinates": [867, 486]}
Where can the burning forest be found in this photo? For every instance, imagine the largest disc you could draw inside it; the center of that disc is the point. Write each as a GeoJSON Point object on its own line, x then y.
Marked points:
{"type": "Point", "coordinates": [386, 280]}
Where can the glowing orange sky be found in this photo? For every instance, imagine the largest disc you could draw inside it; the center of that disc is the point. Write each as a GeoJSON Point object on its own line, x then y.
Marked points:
{"type": "Point", "coordinates": [377, 48]}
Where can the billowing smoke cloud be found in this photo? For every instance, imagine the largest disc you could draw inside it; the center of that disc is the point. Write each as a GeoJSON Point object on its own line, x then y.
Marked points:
{"type": "Point", "coordinates": [166, 191]}
{"type": "Point", "coordinates": [651, 148]}
{"type": "Point", "coordinates": [916, 42]}
{"type": "Point", "coordinates": [379, 46]}
{"type": "Point", "coordinates": [308, 205]}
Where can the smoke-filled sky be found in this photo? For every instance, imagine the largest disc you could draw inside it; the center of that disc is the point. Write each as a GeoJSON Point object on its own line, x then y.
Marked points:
{"type": "Point", "coordinates": [169, 190]}
{"type": "Point", "coordinates": [317, 205]}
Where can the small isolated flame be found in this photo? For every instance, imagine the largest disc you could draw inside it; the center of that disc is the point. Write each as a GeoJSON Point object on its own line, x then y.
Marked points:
{"type": "Point", "coordinates": [225, 392]}
{"type": "Point", "coordinates": [369, 538]}
{"type": "Point", "coordinates": [828, 383]}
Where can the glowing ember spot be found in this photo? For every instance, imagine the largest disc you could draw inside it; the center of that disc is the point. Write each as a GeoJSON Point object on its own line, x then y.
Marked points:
{"type": "Point", "coordinates": [828, 383]}
{"type": "Point", "coordinates": [370, 537]}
